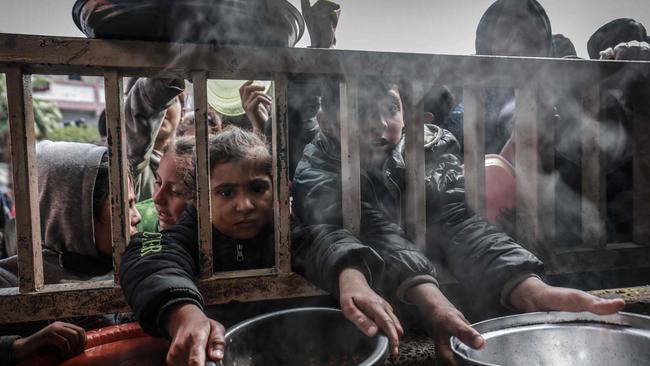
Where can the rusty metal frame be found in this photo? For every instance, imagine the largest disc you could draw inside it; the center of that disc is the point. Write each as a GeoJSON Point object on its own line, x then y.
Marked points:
{"type": "Point", "coordinates": [21, 56]}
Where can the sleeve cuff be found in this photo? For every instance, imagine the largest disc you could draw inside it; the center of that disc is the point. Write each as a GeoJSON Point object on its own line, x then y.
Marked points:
{"type": "Point", "coordinates": [413, 281]}
{"type": "Point", "coordinates": [509, 286]}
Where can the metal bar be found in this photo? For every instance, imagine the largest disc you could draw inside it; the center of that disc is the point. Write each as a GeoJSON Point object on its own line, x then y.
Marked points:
{"type": "Point", "coordinates": [416, 219]}
{"type": "Point", "coordinates": [641, 178]}
{"type": "Point", "coordinates": [203, 189]}
{"type": "Point", "coordinates": [120, 220]}
{"type": "Point", "coordinates": [593, 172]}
{"type": "Point", "coordinates": [281, 211]}
{"type": "Point", "coordinates": [85, 56]}
{"type": "Point", "coordinates": [474, 147]}
{"type": "Point", "coordinates": [350, 158]}
{"type": "Point", "coordinates": [528, 166]}
{"type": "Point", "coordinates": [23, 157]}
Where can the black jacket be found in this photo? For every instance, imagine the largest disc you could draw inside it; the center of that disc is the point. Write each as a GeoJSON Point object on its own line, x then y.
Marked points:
{"type": "Point", "coordinates": [158, 270]}
{"type": "Point", "coordinates": [479, 256]}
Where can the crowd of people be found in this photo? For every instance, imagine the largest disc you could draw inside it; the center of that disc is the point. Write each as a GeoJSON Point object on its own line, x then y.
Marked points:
{"type": "Point", "coordinates": [378, 277]}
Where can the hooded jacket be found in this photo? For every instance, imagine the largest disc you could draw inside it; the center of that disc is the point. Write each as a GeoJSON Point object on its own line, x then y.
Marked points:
{"type": "Point", "coordinates": [67, 172]}
{"type": "Point", "coordinates": [159, 270]}
{"type": "Point", "coordinates": [484, 260]}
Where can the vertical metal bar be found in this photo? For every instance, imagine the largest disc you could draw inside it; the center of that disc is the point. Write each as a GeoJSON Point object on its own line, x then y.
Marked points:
{"type": "Point", "coordinates": [641, 178]}
{"type": "Point", "coordinates": [203, 189]}
{"type": "Point", "coordinates": [120, 220]}
{"type": "Point", "coordinates": [547, 178]}
{"type": "Point", "coordinates": [593, 173]}
{"type": "Point", "coordinates": [281, 211]}
{"type": "Point", "coordinates": [350, 158]}
{"type": "Point", "coordinates": [528, 167]}
{"type": "Point", "coordinates": [474, 147]}
{"type": "Point", "coordinates": [23, 157]}
{"type": "Point", "coordinates": [412, 96]}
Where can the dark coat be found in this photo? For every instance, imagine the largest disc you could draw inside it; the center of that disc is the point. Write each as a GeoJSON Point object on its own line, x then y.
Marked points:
{"type": "Point", "coordinates": [482, 258]}
{"type": "Point", "coordinates": [158, 270]}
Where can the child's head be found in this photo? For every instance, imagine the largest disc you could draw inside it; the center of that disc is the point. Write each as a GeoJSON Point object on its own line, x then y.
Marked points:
{"type": "Point", "coordinates": [102, 209]}
{"type": "Point", "coordinates": [172, 191]}
{"type": "Point", "coordinates": [242, 196]}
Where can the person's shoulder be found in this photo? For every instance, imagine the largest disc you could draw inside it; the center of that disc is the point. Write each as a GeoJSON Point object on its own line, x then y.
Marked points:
{"type": "Point", "coordinates": [438, 138]}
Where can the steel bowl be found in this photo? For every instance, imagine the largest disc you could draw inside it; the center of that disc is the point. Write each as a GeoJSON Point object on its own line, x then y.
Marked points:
{"type": "Point", "coordinates": [223, 22]}
{"type": "Point", "coordinates": [302, 337]}
{"type": "Point", "coordinates": [560, 338]}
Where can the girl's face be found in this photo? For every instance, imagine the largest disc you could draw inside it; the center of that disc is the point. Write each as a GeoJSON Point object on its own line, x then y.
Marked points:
{"type": "Point", "coordinates": [170, 194]}
{"type": "Point", "coordinates": [242, 199]}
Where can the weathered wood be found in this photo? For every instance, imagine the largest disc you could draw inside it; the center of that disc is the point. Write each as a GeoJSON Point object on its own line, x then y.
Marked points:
{"type": "Point", "coordinates": [350, 158]}
{"type": "Point", "coordinates": [412, 94]}
{"type": "Point", "coordinates": [23, 157]}
{"type": "Point", "coordinates": [608, 258]}
{"type": "Point", "coordinates": [474, 146]}
{"type": "Point", "coordinates": [120, 219]}
{"type": "Point", "coordinates": [528, 167]}
{"type": "Point", "coordinates": [89, 56]}
{"type": "Point", "coordinates": [203, 186]}
{"type": "Point", "coordinates": [641, 178]}
{"type": "Point", "coordinates": [281, 286]}
{"type": "Point", "coordinates": [92, 298]}
{"type": "Point", "coordinates": [593, 172]}
{"type": "Point", "coordinates": [281, 211]}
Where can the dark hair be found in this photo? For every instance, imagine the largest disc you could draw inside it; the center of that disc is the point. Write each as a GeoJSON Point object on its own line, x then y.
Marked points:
{"type": "Point", "coordinates": [101, 124]}
{"type": "Point", "coordinates": [613, 33]}
{"type": "Point", "coordinates": [236, 144]}
{"type": "Point", "coordinates": [101, 189]}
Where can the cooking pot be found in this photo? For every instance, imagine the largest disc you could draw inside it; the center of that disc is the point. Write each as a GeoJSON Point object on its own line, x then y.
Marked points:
{"type": "Point", "coordinates": [305, 337]}
{"type": "Point", "coordinates": [560, 338]}
{"type": "Point", "coordinates": [223, 22]}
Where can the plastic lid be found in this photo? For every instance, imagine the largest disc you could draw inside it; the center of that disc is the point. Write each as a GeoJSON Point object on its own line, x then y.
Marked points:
{"type": "Point", "coordinates": [223, 95]}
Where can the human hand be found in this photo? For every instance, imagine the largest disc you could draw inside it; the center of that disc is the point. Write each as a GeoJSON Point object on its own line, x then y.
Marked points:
{"type": "Point", "coordinates": [321, 20]}
{"type": "Point", "coordinates": [532, 294]}
{"type": "Point", "coordinates": [445, 320]}
{"type": "Point", "coordinates": [633, 51]}
{"type": "Point", "coordinates": [195, 337]}
{"type": "Point", "coordinates": [68, 338]}
{"type": "Point", "coordinates": [367, 310]}
{"type": "Point", "coordinates": [256, 104]}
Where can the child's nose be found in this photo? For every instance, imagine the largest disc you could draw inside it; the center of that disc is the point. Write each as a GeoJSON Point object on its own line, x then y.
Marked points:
{"type": "Point", "coordinates": [244, 203]}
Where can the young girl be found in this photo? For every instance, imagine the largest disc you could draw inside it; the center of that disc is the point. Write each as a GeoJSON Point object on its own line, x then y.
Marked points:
{"type": "Point", "coordinates": [158, 269]}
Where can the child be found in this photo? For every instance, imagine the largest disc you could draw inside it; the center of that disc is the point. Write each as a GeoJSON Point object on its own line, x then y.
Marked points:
{"type": "Point", "coordinates": [75, 214]}
{"type": "Point", "coordinates": [158, 269]}
{"type": "Point", "coordinates": [171, 190]}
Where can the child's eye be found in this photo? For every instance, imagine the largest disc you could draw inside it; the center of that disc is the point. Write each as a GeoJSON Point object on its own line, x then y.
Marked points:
{"type": "Point", "coordinates": [259, 187]}
{"type": "Point", "coordinates": [225, 193]}
{"type": "Point", "coordinates": [177, 193]}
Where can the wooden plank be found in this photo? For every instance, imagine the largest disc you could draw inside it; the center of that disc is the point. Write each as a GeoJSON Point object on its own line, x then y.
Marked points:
{"type": "Point", "coordinates": [118, 175]}
{"type": "Point", "coordinates": [641, 178]}
{"type": "Point", "coordinates": [280, 141]}
{"type": "Point", "coordinates": [83, 299]}
{"type": "Point", "coordinates": [89, 56]}
{"type": "Point", "coordinates": [282, 286]}
{"type": "Point", "coordinates": [412, 94]}
{"type": "Point", "coordinates": [593, 172]}
{"type": "Point", "coordinates": [548, 178]}
{"type": "Point", "coordinates": [350, 158]}
{"type": "Point", "coordinates": [474, 147]}
{"type": "Point", "coordinates": [23, 157]}
{"type": "Point", "coordinates": [528, 166]}
{"type": "Point", "coordinates": [203, 186]}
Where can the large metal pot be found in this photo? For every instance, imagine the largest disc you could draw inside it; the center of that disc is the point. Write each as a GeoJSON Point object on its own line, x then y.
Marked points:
{"type": "Point", "coordinates": [224, 22]}
{"type": "Point", "coordinates": [560, 338]}
{"type": "Point", "coordinates": [302, 337]}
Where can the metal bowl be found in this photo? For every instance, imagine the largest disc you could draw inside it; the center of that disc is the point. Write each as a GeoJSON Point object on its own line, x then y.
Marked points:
{"type": "Point", "coordinates": [302, 337]}
{"type": "Point", "coordinates": [560, 338]}
{"type": "Point", "coordinates": [223, 22]}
